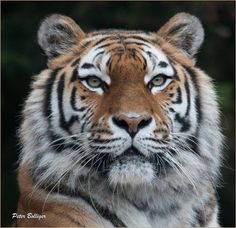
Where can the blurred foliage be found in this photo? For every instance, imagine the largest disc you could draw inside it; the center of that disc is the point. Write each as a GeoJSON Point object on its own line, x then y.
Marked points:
{"type": "Point", "coordinates": [21, 58]}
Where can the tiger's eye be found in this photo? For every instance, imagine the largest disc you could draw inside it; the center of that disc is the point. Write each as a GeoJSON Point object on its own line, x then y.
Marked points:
{"type": "Point", "coordinates": [94, 82]}
{"type": "Point", "coordinates": [158, 81]}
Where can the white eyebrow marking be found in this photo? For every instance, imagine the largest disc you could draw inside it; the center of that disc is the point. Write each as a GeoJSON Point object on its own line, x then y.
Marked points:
{"type": "Point", "coordinates": [155, 69]}
{"type": "Point", "coordinates": [89, 59]}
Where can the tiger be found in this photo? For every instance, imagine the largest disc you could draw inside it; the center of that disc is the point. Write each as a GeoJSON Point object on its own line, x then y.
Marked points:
{"type": "Point", "coordinates": [122, 129]}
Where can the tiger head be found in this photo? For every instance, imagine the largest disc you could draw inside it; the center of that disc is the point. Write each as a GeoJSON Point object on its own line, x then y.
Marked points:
{"type": "Point", "coordinates": [129, 106]}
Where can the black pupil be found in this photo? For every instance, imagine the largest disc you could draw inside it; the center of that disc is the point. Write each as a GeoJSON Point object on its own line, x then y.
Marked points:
{"type": "Point", "coordinates": [159, 80]}
{"type": "Point", "coordinates": [94, 81]}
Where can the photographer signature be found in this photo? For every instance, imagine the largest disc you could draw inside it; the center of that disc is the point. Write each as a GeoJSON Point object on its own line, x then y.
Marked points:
{"type": "Point", "coordinates": [28, 216]}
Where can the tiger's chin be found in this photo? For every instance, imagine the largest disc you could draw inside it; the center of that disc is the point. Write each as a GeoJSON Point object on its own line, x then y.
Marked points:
{"type": "Point", "coordinates": [131, 171]}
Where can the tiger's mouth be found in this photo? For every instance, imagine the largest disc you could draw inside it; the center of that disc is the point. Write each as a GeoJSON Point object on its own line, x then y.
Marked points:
{"type": "Point", "coordinates": [130, 153]}
{"type": "Point", "coordinates": [132, 168]}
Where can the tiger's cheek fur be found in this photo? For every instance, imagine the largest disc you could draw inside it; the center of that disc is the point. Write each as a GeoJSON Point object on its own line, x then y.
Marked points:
{"type": "Point", "coordinates": [179, 103]}
{"type": "Point", "coordinates": [79, 102]}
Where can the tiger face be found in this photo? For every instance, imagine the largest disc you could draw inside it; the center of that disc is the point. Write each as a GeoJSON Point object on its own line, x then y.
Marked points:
{"type": "Point", "coordinates": [124, 105]}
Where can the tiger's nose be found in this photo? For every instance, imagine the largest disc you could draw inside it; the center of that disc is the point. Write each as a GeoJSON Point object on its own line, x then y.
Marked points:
{"type": "Point", "coordinates": [131, 124]}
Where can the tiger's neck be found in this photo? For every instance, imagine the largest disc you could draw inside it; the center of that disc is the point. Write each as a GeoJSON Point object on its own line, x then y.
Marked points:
{"type": "Point", "coordinates": [149, 206]}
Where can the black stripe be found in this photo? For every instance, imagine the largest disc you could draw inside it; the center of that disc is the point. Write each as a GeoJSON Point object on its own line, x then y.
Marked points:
{"type": "Point", "coordinates": [104, 140]}
{"type": "Point", "coordinates": [101, 147]}
{"type": "Point", "coordinates": [192, 142]}
{"type": "Point", "coordinates": [132, 52]}
{"type": "Point", "coordinates": [53, 54]}
{"type": "Point", "coordinates": [156, 148]}
{"type": "Point", "coordinates": [160, 162]}
{"type": "Point", "coordinates": [85, 119]}
{"type": "Point", "coordinates": [185, 123]}
{"type": "Point", "coordinates": [116, 49]}
{"type": "Point", "coordinates": [162, 64]}
{"type": "Point", "coordinates": [179, 97]}
{"type": "Point", "coordinates": [151, 54]}
{"type": "Point", "coordinates": [193, 77]}
{"type": "Point", "coordinates": [105, 45]}
{"type": "Point", "coordinates": [155, 140]}
{"type": "Point", "coordinates": [136, 54]}
{"type": "Point", "coordinates": [175, 71]}
{"type": "Point", "coordinates": [47, 100]}
{"type": "Point", "coordinates": [89, 116]}
{"type": "Point", "coordinates": [63, 123]}
{"type": "Point", "coordinates": [138, 38]}
{"type": "Point", "coordinates": [74, 76]}
{"type": "Point", "coordinates": [137, 43]}
{"type": "Point", "coordinates": [59, 144]}
{"type": "Point", "coordinates": [87, 66]}
{"type": "Point", "coordinates": [144, 62]}
{"type": "Point", "coordinates": [200, 217]}
{"type": "Point", "coordinates": [104, 39]}
{"type": "Point", "coordinates": [103, 131]}
{"type": "Point", "coordinates": [103, 211]}
{"type": "Point", "coordinates": [73, 101]}
{"type": "Point", "coordinates": [186, 85]}
{"type": "Point", "coordinates": [98, 66]}
{"type": "Point", "coordinates": [99, 53]}
{"type": "Point", "coordinates": [85, 114]}
{"type": "Point", "coordinates": [108, 64]}
{"type": "Point", "coordinates": [76, 62]}
{"type": "Point", "coordinates": [116, 54]}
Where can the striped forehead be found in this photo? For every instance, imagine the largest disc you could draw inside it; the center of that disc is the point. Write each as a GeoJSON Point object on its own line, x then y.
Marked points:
{"type": "Point", "coordinates": [155, 60]}
{"type": "Point", "coordinates": [89, 66]}
{"type": "Point", "coordinates": [157, 63]}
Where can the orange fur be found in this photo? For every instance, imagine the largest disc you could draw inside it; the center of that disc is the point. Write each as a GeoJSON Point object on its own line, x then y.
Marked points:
{"type": "Point", "coordinates": [57, 212]}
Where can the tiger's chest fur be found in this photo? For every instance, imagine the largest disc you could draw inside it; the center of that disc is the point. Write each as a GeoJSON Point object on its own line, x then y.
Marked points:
{"type": "Point", "coordinates": [104, 207]}
{"type": "Point", "coordinates": [122, 129]}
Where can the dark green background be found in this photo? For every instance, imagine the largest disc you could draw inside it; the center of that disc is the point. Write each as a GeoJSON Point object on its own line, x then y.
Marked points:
{"type": "Point", "coordinates": [21, 58]}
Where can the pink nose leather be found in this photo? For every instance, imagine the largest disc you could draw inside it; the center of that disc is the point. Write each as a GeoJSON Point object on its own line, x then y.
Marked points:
{"type": "Point", "coordinates": [133, 122]}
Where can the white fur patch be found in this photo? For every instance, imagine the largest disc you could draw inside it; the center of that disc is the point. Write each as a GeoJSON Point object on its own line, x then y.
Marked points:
{"type": "Point", "coordinates": [133, 172]}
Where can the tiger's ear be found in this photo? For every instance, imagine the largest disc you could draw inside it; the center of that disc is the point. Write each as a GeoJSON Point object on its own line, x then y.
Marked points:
{"type": "Point", "coordinates": [185, 32]}
{"type": "Point", "coordinates": [58, 34]}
